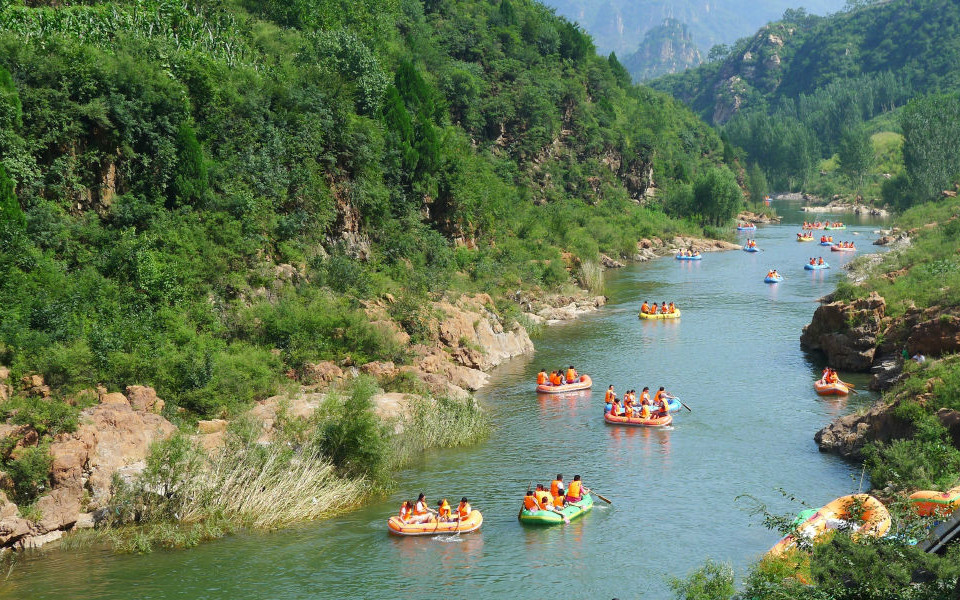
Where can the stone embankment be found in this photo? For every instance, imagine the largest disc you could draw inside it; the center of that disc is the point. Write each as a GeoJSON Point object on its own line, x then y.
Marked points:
{"type": "Point", "coordinates": [757, 218]}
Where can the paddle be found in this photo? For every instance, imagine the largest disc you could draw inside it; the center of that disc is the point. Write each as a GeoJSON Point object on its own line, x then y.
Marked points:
{"type": "Point", "coordinates": [682, 404]}
{"type": "Point", "coordinates": [850, 388]}
{"type": "Point", "coordinates": [601, 497]}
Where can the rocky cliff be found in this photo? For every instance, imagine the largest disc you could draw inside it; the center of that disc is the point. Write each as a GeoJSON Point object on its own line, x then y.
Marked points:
{"type": "Point", "coordinates": [668, 48]}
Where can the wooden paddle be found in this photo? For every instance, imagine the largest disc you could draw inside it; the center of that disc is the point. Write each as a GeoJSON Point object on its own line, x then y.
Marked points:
{"type": "Point", "coordinates": [601, 497]}
{"type": "Point", "coordinates": [850, 387]}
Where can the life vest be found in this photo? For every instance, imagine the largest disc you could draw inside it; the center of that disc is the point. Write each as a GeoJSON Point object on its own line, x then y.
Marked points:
{"type": "Point", "coordinates": [663, 309]}
{"type": "Point", "coordinates": [556, 487]}
{"type": "Point", "coordinates": [575, 489]}
{"type": "Point", "coordinates": [444, 510]}
{"type": "Point", "coordinates": [820, 262]}
{"type": "Point", "coordinates": [555, 379]}
{"type": "Point", "coordinates": [645, 412]}
{"type": "Point", "coordinates": [541, 378]}
{"type": "Point", "coordinates": [404, 512]}
{"type": "Point", "coordinates": [571, 375]}
{"type": "Point", "coordinates": [653, 309]}
{"type": "Point", "coordinates": [558, 501]}
{"type": "Point", "coordinates": [656, 396]}
{"type": "Point", "coordinates": [530, 503]}
{"type": "Point", "coordinates": [420, 508]}
{"type": "Point", "coordinates": [673, 308]}
{"type": "Point", "coordinates": [614, 412]}
{"type": "Point", "coordinates": [644, 308]}
{"type": "Point", "coordinates": [812, 261]}
{"type": "Point", "coordinates": [645, 397]}
{"type": "Point", "coordinates": [545, 501]}
{"type": "Point", "coordinates": [608, 397]}
{"type": "Point", "coordinates": [540, 494]}
{"type": "Point", "coordinates": [463, 510]}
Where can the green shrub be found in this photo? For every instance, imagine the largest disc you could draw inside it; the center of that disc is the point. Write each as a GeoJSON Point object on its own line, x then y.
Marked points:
{"type": "Point", "coordinates": [49, 416]}
{"type": "Point", "coordinates": [350, 434]}
{"type": "Point", "coordinates": [712, 581]}
{"type": "Point", "coordinates": [29, 471]}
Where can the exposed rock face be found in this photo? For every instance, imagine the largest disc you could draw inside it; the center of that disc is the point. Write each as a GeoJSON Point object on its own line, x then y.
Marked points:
{"type": "Point", "coordinates": [935, 337]}
{"type": "Point", "coordinates": [846, 333]}
{"type": "Point", "coordinates": [951, 420]}
{"type": "Point", "coordinates": [847, 435]}
{"type": "Point", "coordinates": [322, 373]}
{"type": "Point", "coordinates": [59, 509]}
{"type": "Point", "coordinates": [477, 335]}
{"type": "Point", "coordinates": [144, 398]}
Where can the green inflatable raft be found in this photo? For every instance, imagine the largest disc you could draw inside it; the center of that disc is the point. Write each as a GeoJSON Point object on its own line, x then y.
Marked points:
{"type": "Point", "coordinates": [546, 517]}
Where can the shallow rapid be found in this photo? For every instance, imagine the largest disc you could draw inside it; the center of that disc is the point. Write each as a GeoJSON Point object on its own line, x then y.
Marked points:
{"type": "Point", "coordinates": [734, 358]}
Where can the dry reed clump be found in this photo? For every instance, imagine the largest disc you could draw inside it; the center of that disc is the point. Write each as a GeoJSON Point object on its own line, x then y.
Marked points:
{"type": "Point", "coordinates": [590, 276]}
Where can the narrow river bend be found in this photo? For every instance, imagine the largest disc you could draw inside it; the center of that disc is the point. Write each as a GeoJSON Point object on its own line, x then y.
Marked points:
{"type": "Point", "coordinates": [734, 358]}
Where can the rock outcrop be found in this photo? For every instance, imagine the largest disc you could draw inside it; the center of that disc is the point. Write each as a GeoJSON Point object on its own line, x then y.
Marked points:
{"type": "Point", "coordinates": [848, 435]}
{"type": "Point", "coordinates": [846, 332]}
{"type": "Point", "coordinates": [114, 437]}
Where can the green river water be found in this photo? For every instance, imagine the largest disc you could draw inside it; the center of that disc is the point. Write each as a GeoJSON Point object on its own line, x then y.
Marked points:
{"type": "Point", "coordinates": [734, 358]}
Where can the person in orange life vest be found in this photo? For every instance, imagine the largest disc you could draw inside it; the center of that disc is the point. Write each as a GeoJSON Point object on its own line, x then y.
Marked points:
{"type": "Point", "coordinates": [627, 405]}
{"type": "Point", "coordinates": [826, 371]}
{"type": "Point", "coordinates": [556, 486]}
{"type": "Point", "coordinates": [820, 261]}
{"type": "Point", "coordinates": [558, 501]}
{"type": "Point", "coordinates": [662, 398]}
{"type": "Point", "coordinates": [540, 493]}
{"type": "Point", "coordinates": [645, 395]}
{"type": "Point", "coordinates": [463, 509]}
{"type": "Point", "coordinates": [555, 378]}
{"type": "Point", "coordinates": [644, 308]}
{"type": "Point", "coordinates": [443, 511]}
{"type": "Point", "coordinates": [405, 509]}
{"type": "Point", "coordinates": [530, 502]}
{"type": "Point", "coordinates": [653, 309]}
{"type": "Point", "coordinates": [572, 374]}
{"type": "Point", "coordinates": [615, 408]}
{"type": "Point", "coordinates": [663, 307]}
{"type": "Point", "coordinates": [541, 377]}
{"type": "Point", "coordinates": [673, 308]}
{"type": "Point", "coordinates": [645, 411]}
{"type": "Point", "coordinates": [422, 512]}
{"type": "Point", "coordinates": [833, 377]}
{"type": "Point", "coordinates": [609, 396]}
{"type": "Point", "coordinates": [813, 261]}
{"type": "Point", "coordinates": [576, 490]}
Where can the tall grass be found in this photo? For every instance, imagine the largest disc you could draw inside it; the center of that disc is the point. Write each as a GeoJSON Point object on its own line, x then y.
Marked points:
{"type": "Point", "coordinates": [590, 276]}
{"type": "Point", "coordinates": [443, 423]}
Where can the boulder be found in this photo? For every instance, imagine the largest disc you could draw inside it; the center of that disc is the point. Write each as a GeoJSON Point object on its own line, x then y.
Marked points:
{"type": "Point", "coordinates": [7, 508]}
{"type": "Point", "coordinates": [935, 337]}
{"type": "Point", "coordinates": [59, 509]}
{"type": "Point", "coordinates": [847, 435]}
{"type": "Point", "coordinates": [321, 373]}
{"type": "Point", "coordinates": [144, 398]}
{"type": "Point", "coordinates": [379, 370]}
{"type": "Point", "coordinates": [84, 521]}
{"type": "Point", "coordinates": [115, 436]}
{"type": "Point", "coordinates": [12, 529]}
{"type": "Point", "coordinates": [35, 541]}
{"type": "Point", "coordinates": [114, 398]}
{"type": "Point", "coordinates": [212, 426]}
{"type": "Point", "coordinates": [609, 263]}
{"type": "Point", "coordinates": [69, 458]}
{"type": "Point", "coordinates": [846, 333]}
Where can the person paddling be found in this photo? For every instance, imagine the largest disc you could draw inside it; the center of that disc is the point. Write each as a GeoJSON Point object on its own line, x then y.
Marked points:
{"type": "Point", "coordinates": [576, 490]}
{"type": "Point", "coordinates": [556, 486]}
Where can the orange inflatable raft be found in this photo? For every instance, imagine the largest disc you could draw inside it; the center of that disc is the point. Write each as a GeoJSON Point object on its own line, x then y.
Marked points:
{"type": "Point", "coordinates": [651, 422]}
{"type": "Point", "coordinates": [830, 389]}
{"type": "Point", "coordinates": [583, 384]}
{"type": "Point", "coordinates": [472, 523]}
{"type": "Point", "coordinates": [930, 503]}
{"type": "Point", "coordinates": [872, 518]}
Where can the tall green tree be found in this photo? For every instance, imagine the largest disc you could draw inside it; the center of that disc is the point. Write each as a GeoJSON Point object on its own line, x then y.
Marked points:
{"type": "Point", "coordinates": [856, 155]}
{"type": "Point", "coordinates": [11, 215]}
{"type": "Point", "coordinates": [716, 196]}
{"type": "Point", "coordinates": [931, 157]}
{"type": "Point", "coordinates": [757, 183]}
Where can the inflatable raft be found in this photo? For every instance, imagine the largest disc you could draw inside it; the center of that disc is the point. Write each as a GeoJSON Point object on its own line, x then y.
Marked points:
{"type": "Point", "coordinates": [652, 422]}
{"type": "Point", "coordinates": [805, 239]}
{"type": "Point", "coordinates": [583, 384]}
{"type": "Point", "coordinates": [930, 503]}
{"type": "Point", "coordinates": [775, 279]}
{"type": "Point", "coordinates": [826, 243]}
{"type": "Point", "coordinates": [472, 523]}
{"type": "Point", "coordinates": [749, 228]}
{"type": "Point", "coordinates": [810, 267]}
{"type": "Point", "coordinates": [546, 517]}
{"type": "Point", "coordinates": [696, 257]}
{"type": "Point", "coordinates": [832, 227]}
{"type": "Point", "coordinates": [873, 519]}
{"type": "Point", "coordinates": [836, 248]}
{"type": "Point", "coordinates": [830, 389]}
{"type": "Point", "coordinates": [660, 316]}
{"type": "Point", "coordinates": [753, 249]}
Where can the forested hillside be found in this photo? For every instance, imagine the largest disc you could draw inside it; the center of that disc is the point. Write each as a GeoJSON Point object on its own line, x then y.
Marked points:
{"type": "Point", "coordinates": [201, 195]}
{"type": "Point", "coordinates": [816, 101]}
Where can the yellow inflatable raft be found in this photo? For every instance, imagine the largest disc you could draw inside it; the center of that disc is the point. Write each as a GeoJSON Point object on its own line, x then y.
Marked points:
{"type": "Point", "coordinates": [864, 512]}
{"type": "Point", "coordinates": [472, 523]}
{"type": "Point", "coordinates": [673, 315]}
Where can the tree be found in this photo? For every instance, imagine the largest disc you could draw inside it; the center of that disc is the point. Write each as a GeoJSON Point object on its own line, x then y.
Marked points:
{"type": "Point", "coordinates": [931, 128]}
{"type": "Point", "coordinates": [716, 196]}
{"type": "Point", "coordinates": [756, 183]}
{"type": "Point", "coordinates": [190, 182]}
{"type": "Point", "coordinates": [856, 155]}
{"type": "Point", "coordinates": [11, 215]}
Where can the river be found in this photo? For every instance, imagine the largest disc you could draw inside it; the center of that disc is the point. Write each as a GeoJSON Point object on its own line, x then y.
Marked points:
{"type": "Point", "coordinates": [733, 358]}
